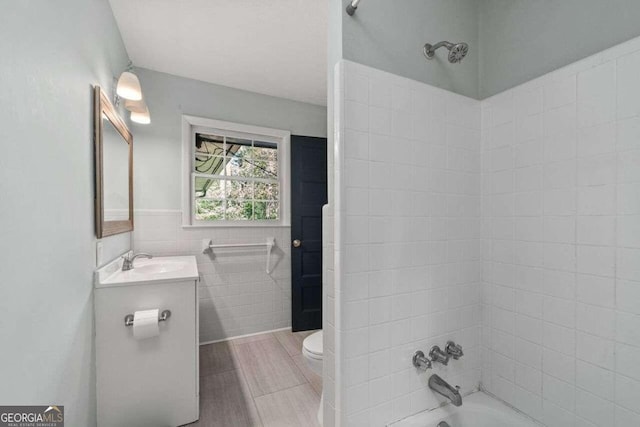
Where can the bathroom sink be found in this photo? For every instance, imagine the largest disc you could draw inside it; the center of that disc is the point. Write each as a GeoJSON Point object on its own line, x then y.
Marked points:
{"type": "Point", "coordinates": [164, 266]}
{"type": "Point", "coordinates": [157, 269]}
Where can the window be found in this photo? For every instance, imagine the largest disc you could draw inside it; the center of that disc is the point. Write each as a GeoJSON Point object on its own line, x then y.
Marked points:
{"type": "Point", "coordinates": [236, 174]}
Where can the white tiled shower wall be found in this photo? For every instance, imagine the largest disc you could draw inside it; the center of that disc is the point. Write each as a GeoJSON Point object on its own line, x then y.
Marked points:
{"type": "Point", "coordinates": [561, 243]}
{"type": "Point", "coordinates": [407, 241]}
{"type": "Point", "coordinates": [237, 296]}
{"type": "Point", "coordinates": [328, 317]}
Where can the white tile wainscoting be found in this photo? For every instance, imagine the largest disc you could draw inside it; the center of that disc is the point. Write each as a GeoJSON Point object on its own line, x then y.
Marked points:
{"type": "Point", "coordinates": [237, 296]}
{"type": "Point", "coordinates": [407, 242]}
{"type": "Point", "coordinates": [561, 243]}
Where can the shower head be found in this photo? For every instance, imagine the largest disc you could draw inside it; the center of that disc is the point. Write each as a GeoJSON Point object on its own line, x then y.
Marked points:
{"type": "Point", "coordinates": [457, 51]}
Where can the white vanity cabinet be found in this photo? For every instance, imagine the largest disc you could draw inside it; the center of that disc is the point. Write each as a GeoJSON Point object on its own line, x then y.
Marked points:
{"type": "Point", "coordinates": [154, 381]}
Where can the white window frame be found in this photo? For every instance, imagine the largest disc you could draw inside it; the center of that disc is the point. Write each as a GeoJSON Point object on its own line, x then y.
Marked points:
{"type": "Point", "coordinates": [281, 137]}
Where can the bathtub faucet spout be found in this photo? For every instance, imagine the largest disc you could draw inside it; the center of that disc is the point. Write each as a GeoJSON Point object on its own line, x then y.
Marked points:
{"type": "Point", "coordinates": [442, 387]}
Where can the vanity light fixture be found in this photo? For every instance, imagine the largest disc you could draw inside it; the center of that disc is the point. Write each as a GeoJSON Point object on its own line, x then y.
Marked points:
{"type": "Point", "coordinates": [137, 106]}
{"type": "Point", "coordinates": [128, 86]}
{"type": "Point", "coordinates": [144, 118]}
{"type": "Point", "coordinates": [128, 89]}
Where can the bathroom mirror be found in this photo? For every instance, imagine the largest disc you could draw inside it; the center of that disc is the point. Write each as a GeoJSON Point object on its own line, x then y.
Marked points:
{"type": "Point", "coordinates": [114, 169]}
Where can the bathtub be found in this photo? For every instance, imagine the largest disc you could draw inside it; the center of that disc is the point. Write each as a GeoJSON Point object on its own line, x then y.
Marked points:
{"type": "Point", "coordinates": [477, 410]}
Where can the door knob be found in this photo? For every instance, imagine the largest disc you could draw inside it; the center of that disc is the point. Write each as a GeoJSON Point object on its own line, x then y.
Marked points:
{"type": "Point", "coordinates": [297, 243]}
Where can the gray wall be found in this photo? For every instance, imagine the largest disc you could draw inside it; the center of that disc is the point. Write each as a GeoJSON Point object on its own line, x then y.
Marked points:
{"type": "Point", "coordinates": [157, 147]}
{"type": "Point", "coordinates": [157, 193]}
{"type": "Point", "coordinates": [511, 41]}
{"type": "Point", "coordinates": [524, 39]}
{"type": "Point", "coordinates": [52, 53]}
{"type": "Point", "coordinates": [389, 35]}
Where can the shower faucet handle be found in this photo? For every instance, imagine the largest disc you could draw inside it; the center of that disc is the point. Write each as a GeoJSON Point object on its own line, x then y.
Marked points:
{"type": "Point", "coordinates": [420, 361]}
{"type": "Point", "coordinates": [454, 350]}
{"type": "Point", "coordinates": [438, 355]}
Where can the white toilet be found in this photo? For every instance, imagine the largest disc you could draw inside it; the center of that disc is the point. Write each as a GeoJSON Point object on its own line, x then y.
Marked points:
{"type": "Point", "coordinates": [312, 351]}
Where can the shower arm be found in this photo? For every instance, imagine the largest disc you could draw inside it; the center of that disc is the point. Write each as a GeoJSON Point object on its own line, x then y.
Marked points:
{"type": "Point", "coordinates": [430, 50]}
{"type": "Point", "coordinates": [446, 44]}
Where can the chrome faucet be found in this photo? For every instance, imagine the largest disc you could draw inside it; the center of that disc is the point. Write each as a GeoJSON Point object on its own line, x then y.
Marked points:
{"type": "Point", "coordinates": [442, 387]}
{"type": "Point", "coordinates": [420, 361]}
{"type": "Point", "coordinates": [454, 350]}
{"type": "Point", "coordinates": [127, 264]}
{"type": "Point", "coordinates": [438, 355]}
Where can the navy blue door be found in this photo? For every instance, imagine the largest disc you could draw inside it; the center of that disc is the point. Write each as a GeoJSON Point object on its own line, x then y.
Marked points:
{"type": "Point", "coordinates": [308, 195]}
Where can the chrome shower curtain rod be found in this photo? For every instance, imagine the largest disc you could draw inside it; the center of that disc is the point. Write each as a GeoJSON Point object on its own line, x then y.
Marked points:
{"type": "Point", "coordinates": [351, 7]}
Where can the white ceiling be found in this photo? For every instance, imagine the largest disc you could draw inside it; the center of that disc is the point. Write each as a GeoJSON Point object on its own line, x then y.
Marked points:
{"type": "Point", "coordinates": [274, 47]}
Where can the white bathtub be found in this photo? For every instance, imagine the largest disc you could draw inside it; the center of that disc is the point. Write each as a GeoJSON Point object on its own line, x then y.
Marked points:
{"type": "Point", "coordinates": [477, 410]}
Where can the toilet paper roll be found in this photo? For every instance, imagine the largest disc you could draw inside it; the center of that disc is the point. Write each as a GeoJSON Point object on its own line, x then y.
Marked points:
{"type": "Point", "coordinates": [145, 324]}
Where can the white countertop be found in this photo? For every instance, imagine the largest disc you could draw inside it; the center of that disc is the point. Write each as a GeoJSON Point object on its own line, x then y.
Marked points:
{"type": "Point", "coordinates": [146, 271]}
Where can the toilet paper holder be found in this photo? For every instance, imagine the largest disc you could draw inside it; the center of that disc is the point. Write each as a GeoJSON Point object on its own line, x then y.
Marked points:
{"type": "Point", "coordinates": [128, 319]}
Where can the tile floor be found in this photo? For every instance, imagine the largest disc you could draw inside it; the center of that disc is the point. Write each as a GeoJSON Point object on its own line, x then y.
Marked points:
{"type": "Point", "coordinates": [258, 381]}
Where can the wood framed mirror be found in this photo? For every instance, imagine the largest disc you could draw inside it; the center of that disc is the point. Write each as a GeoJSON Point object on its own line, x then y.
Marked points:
{"type": "Point", "coordinates": [114, 169]}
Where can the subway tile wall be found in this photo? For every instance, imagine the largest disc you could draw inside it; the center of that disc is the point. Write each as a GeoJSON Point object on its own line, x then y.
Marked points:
{"type": "Point", "coordinates": [236, 295]}
{"type": "Point", "coordinates": [328, 318]}
{"type": "Point", "coordinates": [561, 243]}
{"type": "Point", "coordinates": [407, 242]}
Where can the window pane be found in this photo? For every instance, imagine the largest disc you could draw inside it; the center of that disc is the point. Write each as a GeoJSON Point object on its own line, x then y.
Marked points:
{"type": "Point", "coordinates": [206, 187]}
{"type": "Point", "coordinates": [266, 191]}
{"type": "Point", "coordinates": [265, 169]}
{"type": "Point", "coordinates": [231, 193]}
{"type": "Point", "coordinates": [239, 166]}
{"type": "Point", "coordinates": [239, 210]}
{"type": "Point", "coordinates": [211, 165]}
{"type": "Point", "coordinates": [265, 151]}
{"type": "Point", "coordinates": [273, 210]}
{"type": "Point", "coordinates": [241, 148]}
{"type": "Point", "coordinates": [266, 210]}
{"type": "Point", "coordinates": [209, 210]}
{"type": "Point", "coordinates": [209, 144]}
{"type": "Point", "coordinates": [242, 190]}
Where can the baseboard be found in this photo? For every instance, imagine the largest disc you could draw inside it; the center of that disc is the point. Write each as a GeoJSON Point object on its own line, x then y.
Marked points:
{"type": "Point", "coordinates": [244, 336]}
